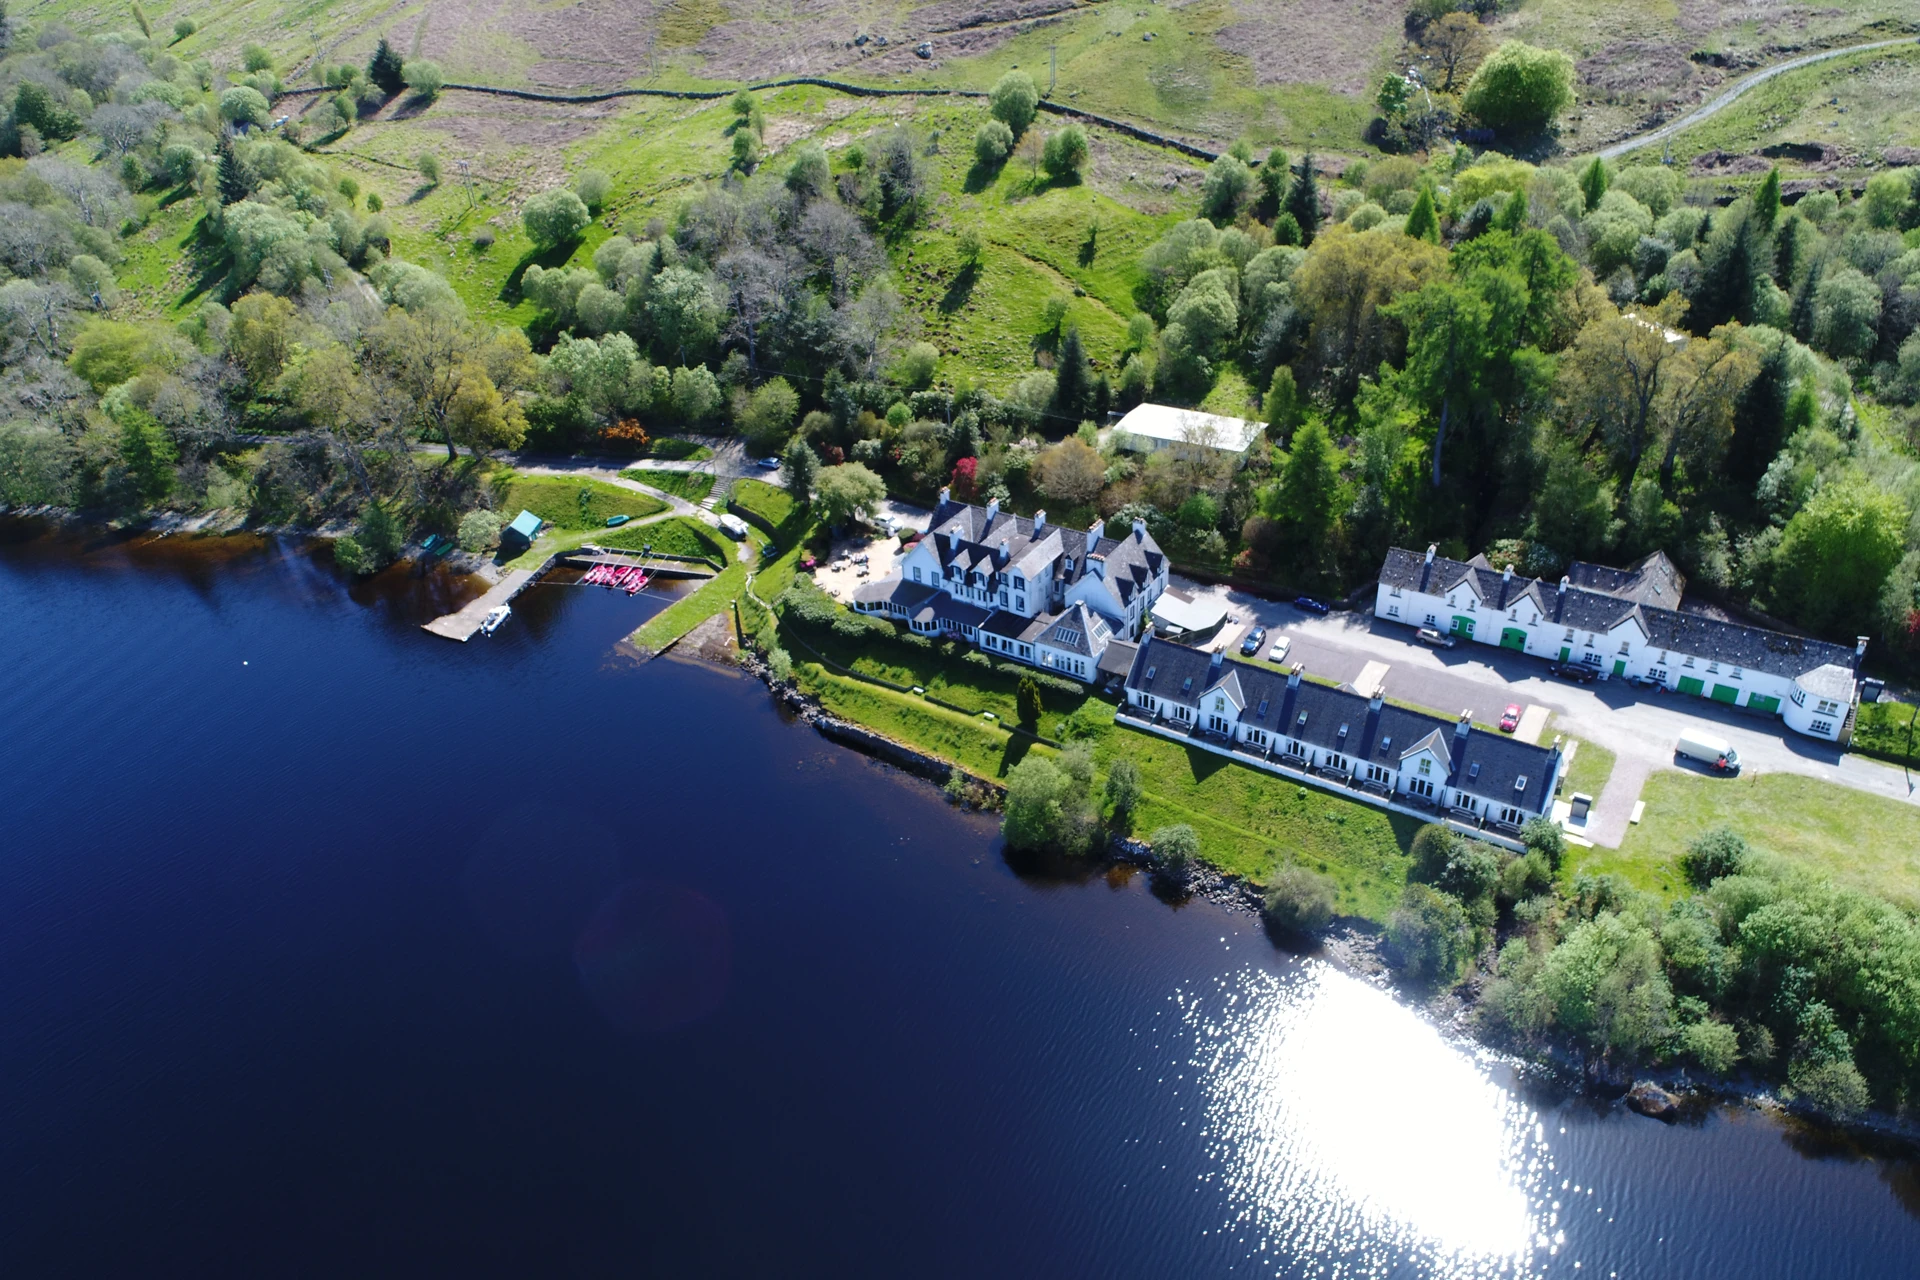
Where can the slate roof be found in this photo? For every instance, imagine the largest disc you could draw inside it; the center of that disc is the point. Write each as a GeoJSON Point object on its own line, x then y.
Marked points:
{"type": "Point", "coordinates": [1589, 609]}
{"type": "Point", "coordinates": [1118, 658]}
{"type": "Point", "coordinates": [1489, 765]}
{"type": "Point", "coordinates": [944, 608]}
{"type": "Point", "coordinates": [971, 536]}
{"type": "Point", "coordinates": [894, 590]}
{"type": "Point", "coordinates": [1074, 631]}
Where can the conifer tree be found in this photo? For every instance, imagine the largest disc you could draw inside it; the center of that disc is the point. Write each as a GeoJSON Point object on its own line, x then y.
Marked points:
{"type": "Point", "coordinates": [1073, 377]}
{"type": "Point", "coordinates": [1513, 214]}
{"type": "Point", "coordinates": [1303, 200]}
{"type": "Point", "coordinates": [1422, 222]}
{"type": "Point", "coordinates": [231, 177]}
{"type": "Point", "coordinates": [1593, 183]}
{"type": "Point", "coordinates": [1766, 201]}
{"type": "Point", "coordinates": [387, 69]}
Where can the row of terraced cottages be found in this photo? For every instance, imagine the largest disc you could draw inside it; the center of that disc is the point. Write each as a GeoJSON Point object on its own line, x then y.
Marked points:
{"type": "Point", "coordinates": [1628, 622]}
{"type": "Point", "coordinates": [1280, 718]}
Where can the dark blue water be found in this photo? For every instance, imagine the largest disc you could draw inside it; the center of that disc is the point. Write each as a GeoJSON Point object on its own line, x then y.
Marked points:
{"type": "Point", "coordinates": [328, 947]}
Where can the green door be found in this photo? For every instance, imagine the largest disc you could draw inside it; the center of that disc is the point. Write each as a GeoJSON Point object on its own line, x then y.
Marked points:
{"type": "Point", "coordinates": [1513, 638]}
{"type": "Point", "coordinates": [1564, 651]}
{"type": "Point", "coordinates": [1760, 702]}
{"type": "Point", "coordinates": [1619, 666]}
{"type": "Point", "coordinates": [1688, 684]}
{"type": "Point", "coordinates": [1463, 626]}
{"type": "Point", "coordinates": [1726, 693]}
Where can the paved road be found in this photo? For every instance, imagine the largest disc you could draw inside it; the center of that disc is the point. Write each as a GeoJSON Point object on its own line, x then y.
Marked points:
{"type": "Point", "coordinates": [1637, 725]}
{"type": "Point", "coordinates": [1733, 92]}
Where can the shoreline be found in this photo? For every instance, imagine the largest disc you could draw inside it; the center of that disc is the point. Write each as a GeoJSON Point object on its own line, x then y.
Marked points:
{"type": "Point", "coordinates": [1351, 944]}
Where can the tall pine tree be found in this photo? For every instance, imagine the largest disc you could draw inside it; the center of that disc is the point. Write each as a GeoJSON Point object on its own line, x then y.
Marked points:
{"type": "Point", "coordinates": [1766, 201]}
{"type": "Point", "coordinates": [232, 178]}
{"type": "Point", "coordinates": [1303, 200]}
{"type": "Point", "coordinates": [1073, 378]}
{"type": "Point", "coordinates": [386, 69]}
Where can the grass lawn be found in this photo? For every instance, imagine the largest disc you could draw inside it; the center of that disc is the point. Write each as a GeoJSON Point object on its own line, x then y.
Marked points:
{"type": "Point", "coordinates": [690, 485]}
{"type": "Point", "coordinates": [1863, 841]}
{"type": "Point", "coordinates": [1592, 766]}
{"type": "Point", "coordinates": [769, 502]}
{"type": "Point", "coordinates": [557, 500]}
{"type": "Point", "coordinates": [680, 536]}
{"type": "Point", "coordinates": [674, 449]}
{"type": "Point", "coordinates": [690, 611]}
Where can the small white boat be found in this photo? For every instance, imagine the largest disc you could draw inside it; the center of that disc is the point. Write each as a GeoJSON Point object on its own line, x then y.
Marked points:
{"type": "Point", "coordinates": [495, 616]}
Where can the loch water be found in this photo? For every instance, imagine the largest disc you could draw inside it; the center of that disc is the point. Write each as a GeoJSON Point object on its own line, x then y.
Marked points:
{"type": "Point", "coordinates": [331, 948]}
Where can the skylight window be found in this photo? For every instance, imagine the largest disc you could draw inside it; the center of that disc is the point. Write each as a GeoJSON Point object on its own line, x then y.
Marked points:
{"type": "Point", "coordinates": [1186, 684]}
{"type": "Point", "coordinates": [1520, 783]}
{"type": "Point", "coordinates": [1303, 718]}
{"type": "Point", "coordinates": [1263, 708]}
{"type": "Point", "coordinates": [1342, 733]}
{"type": "Point", "coordinates": [1473, 770]}
{"type": "Point", "coordinates": [1150, 671]}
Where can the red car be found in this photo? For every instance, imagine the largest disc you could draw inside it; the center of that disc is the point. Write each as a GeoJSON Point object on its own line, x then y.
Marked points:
{"type": "Point", "coordinates": [1510, 718]}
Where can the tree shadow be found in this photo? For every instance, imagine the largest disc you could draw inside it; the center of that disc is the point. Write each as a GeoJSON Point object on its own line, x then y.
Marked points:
{"type": "Point", "coordinates": [980, 177]}
{"type": "Point", "coordinates": [546, 259]}
{"type": "Point", "coordinates": [421, 192]}
{"type": "Point", "coordinates": [208, 254]}
{"type": "Point", "coordinates": [1090, 246]}
{"type": "Point", "coordinates": [1018, 745]}
{"type": "Point", "coordinates": [184, 191]}
{"type": "Point", "coordinates": [960, 291]}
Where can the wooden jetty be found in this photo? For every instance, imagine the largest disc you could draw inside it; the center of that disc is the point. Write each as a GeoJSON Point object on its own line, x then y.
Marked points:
{"type": "Point", "coordinates": [464, 624]}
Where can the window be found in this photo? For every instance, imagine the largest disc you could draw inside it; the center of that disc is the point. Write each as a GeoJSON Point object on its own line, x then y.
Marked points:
{"type": "Point", "coordinates": [1520, 783]}
{"type": "Point", "coordinates": [1394, 592]}
{"type": "Point", "coordinates": [1511, 816]}
{"type": "Point", "coordinates": [1687, 661]}
{"type": "Point", "coordinates": [1150, 669]}
{"type": "Point", "coordinates": [1420, 787]}
{"type": "Point", "coordinates": [1737, 673]}
{"type": "Point", "coordinates": [1026, 651]}
{"type": "Point", "coordinates": [1713, 668]}
{"type": "Point", "coordinates": [1659, 674]}
{"type": "Point", "coordinates": [1426, 766]}
{"type": "Point", "coordinates": [1473, 771]}
{"type": "Point", "coordinates": [916, 573]}
{"type": "Point", "coordinates": [1186, 686]}
{"type": "Point", "coordinates": [1393, 611]}
{"type": "Point", "coordinates": [1295, 749]}
{"type": "Point", "coordinates": [1663, 657]}
{"type": "Point", "coordinates": [1375, 773]}
{"type": "Point", "coordinates": [1336, 761]}
{"type": "Point", "coordinates": [1066, 565]}
{"type": "Point", "coordinates": [1219, 704]}
{"type": "Point", "coordinates": [1261, 713]}
{"type": "Point", "coordinates": [1513, 615]}
{"type": "Point", "coordinates": [1020, 603]}
{"type": "Point", "coordinates": [1569, 635]}
{"type": "Point", "coordinates": [1823, 727]}
{"type": "Point", "coordinates": [1625, 646]}
{"type": "Point", "coordinates": [1799, 697]}
{"type": "Point", "coordinates": [1828, 708]}
{"type": "Point", "coordinates": [1591, 659]}
{"type": "Point", "coordinates": [1431, 620]}
{"type": "Point", "coordinates": [1019, 583]}
{"type": "Point", "coordinates": [1003, 599]}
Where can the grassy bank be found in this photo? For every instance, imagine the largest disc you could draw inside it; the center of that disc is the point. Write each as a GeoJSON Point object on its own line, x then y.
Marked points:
{"type": "Point", "coordinates": [1862, 841]}
{"type": "Point", "coordinates": [680, 536]}
{"type": "Point", "coordinates": [692, 486]}
{"type": "Point", "coordinates": [567, 503]}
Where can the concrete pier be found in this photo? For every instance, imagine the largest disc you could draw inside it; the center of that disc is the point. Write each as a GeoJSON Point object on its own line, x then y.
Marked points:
{"type": "Point", "coordinates": [465, 624]}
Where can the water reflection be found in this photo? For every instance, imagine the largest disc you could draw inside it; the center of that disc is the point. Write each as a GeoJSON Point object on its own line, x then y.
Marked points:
{"type": "Point", "coordinates": [1348, 1129]}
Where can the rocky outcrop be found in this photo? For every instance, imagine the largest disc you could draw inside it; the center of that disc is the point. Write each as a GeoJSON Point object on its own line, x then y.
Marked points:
{"type": "Point", "coordinates": [1650, 1100]}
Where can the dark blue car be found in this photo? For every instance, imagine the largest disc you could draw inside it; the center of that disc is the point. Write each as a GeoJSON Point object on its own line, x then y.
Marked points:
{"type": "Point", "coordinates": [1310, 605]}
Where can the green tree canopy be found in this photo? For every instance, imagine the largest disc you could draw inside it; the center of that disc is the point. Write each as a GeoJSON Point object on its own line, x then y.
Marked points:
{"type": "Point", "coordinates": [1835, 554]}
{"type": "Point", "coordinates": [1013, 99]}
{"type": "Point", "coordinates": [554, 218]}
{"type": "Point", "coordinates": [1520, 89]}
{"type": "Point", "coordinates": [848, 491]}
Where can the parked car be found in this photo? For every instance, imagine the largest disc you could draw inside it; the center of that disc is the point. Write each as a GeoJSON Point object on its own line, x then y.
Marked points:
{"type": "Point", "coordinates": [1279, 651]}
{"type": "Point", "coordinates": [1310, 605]}
{"type": "Point", "coordinates": [1704, 748]}
{"type": "Point", "coordinates": [1432, 636]}
{"type": "Point", "coordinates": [1510, 718]}
{"type": "Point", "coordinates": [768, 464]}
{"type": "Point", "coordinates": [1578, 672]}
{"type": "Point", "coordinates": [1644, 682]}
{"type": "Point", "coordinates": [1255, 638]}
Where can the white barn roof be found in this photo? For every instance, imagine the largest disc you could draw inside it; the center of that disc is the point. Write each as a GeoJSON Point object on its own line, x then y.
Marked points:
{"type": "Point", "coordinates": [1181, 426]}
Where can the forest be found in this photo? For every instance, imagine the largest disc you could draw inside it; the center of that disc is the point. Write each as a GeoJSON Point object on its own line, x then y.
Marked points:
{"type": "Point", "coordinates": [1541, 362]}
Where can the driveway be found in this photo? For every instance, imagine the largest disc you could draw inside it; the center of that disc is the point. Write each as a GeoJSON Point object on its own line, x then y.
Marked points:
{"type": "Point", "coordinates": [1638, 726]}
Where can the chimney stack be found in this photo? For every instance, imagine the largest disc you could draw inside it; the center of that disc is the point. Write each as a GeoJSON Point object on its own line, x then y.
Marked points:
{"type": "Point", "coordinates": [1139, 527]}
{"type": "Point", "coordinates": [1003, 548]}
{"type": "Point", "coordinates": [946, 495]}
{"type": "Point", "coordinates": [1432, 547]}
{"type": "Point", "coordinates": [1293, 676]}
{"type": "Point", "coordinates": [1563, 584]}
{"type": "Point", "coordinates": [993, 508]}
{"type": "Point", "coordinates": [1466, 723]}
{"type": "Point", "coordinates": [1860, 647]}
{"type": "Point", "coordinates": [1507, 576]}
{"type": "Point", "coordinates": [1218, 660]}
{"type": "Point", "coordinates": [1039, 522]}
{"type": "Point", "coordinates": [1378, 699]}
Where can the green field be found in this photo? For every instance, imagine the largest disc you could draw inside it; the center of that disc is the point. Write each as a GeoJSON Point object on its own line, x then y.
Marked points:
{"type": "Point", "coordinates": [680, 536]}
{"type": "Point", "coordinates": [769, 502]}
{"type": "Point", "coordinates": [567, 503]}
{"type": "Point", "coordinates": [1592, 766]}
{"type": "Point", "coordinates": [1856, 839]}
{"type": "Point", "coordinates": [690, 485]}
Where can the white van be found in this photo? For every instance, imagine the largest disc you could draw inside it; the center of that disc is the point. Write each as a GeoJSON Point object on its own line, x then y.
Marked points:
{"type": "Point", "coordinates": [1704, 748]}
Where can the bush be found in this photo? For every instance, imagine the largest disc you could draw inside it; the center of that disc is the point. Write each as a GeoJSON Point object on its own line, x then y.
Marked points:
{"type": "Point", "coordinates": [1122, 790]}
{"type": "Point", "coordinates": [1048, 805]}
{"type": "Point", "coordinates": [1299, 903]}
{"type": "Point", "coordinates": [240, 105]}
{"type": "Point", "coordinates": [1013, 99]}
{"type": "Point", "coordinates": [554, 218]}
{"type": "Point", "coordinates": [424, 77]}
{"type": "Point", "coordinates": [351, 556]}
{"type": "Point", "coordinates": [1428, 936]}
{"type": "Point", "coordinates": [1714, 854]}
{"type": "Point", "coordinates": [429, 166]}
{"type": "Point", "coordinates": [184, 28]}
{"type": "Point", "coordinates": [1176, 846]}
{"type": "Point", "coordinates": [593, 187]}
{"type": "Point", "coordinates": [1835, 1087]}
{"type": "Point", "coordinates": [1520, 88]}
{"type": "Point", "coordinates": [992, 144]}
{"type": "Point", "coordinates": [1542, 836]}
{"type": "Point", "coordinates": [1066, 153]}
{"type": "Point", "coordinates": [1714, 1045]}
{"type": "Point", "coordinates": [479, 530]}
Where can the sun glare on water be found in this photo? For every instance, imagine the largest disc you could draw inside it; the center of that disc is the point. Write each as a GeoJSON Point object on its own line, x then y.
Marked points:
{"type": "Point", "coordinates": [1349, 1131]}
